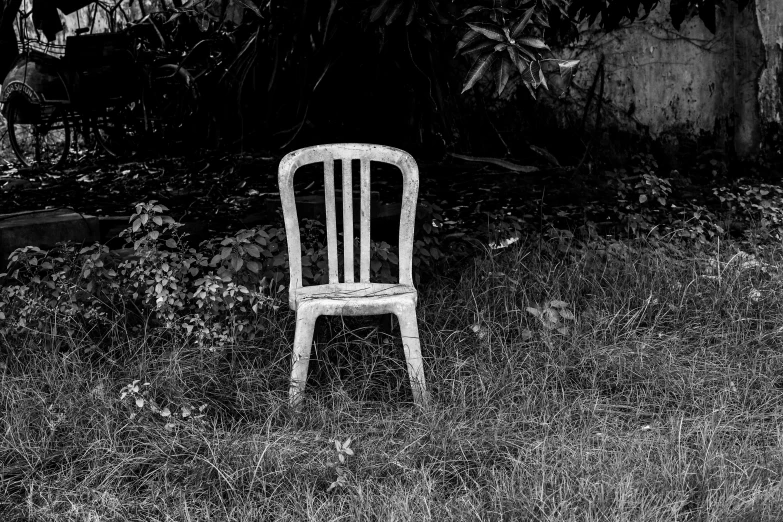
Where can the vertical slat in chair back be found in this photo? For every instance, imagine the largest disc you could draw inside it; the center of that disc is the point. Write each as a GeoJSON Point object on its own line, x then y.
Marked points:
{"type": "Point", "coordinates": [346, 153]}
{"type": "Point", "coordinates": [347, 221]}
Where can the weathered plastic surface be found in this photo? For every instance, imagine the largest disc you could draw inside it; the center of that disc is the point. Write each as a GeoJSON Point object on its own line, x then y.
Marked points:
{"type": "Point", "coordinates": [351, 297]}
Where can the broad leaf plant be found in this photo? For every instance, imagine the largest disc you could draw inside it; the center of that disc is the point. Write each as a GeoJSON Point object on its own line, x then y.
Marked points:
{"type": "Point", "coordinates": [505, 38]}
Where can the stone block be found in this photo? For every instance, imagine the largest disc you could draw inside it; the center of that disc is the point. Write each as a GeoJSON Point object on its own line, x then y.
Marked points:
{"type": "Point", "coordinates": [44, 228]}
{"type": "Point", "coordinates": [111, 226]}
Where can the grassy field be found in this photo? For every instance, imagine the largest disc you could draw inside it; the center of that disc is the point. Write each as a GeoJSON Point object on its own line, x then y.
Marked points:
{"type": "Point", "coordinates": [660, 401]}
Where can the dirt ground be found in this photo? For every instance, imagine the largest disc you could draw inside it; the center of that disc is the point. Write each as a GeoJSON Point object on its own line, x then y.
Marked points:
{"type": "Point", "coordinates": [221, 190]}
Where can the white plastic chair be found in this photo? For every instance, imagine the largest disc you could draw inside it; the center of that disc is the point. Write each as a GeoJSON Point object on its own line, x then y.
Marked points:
{"type": "Point", "coordinates": [350, 297]}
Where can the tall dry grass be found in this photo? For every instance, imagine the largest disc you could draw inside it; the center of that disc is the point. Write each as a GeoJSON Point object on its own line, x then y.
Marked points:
{"type": "Point", "coordinates": [660, 402]}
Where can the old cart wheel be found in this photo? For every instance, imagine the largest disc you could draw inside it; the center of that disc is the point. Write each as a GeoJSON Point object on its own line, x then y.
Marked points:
{"type": "Point", "coordinates": [119, 129]}
{"type": "Point", "coordinates": [39, 135]}
{"type": "Point", "coordinates": [82, 139]}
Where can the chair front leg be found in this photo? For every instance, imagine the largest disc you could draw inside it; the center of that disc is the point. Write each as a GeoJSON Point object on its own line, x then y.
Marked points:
{"type": "Point", "coordinates": [410, 342]}
{"type": "Point", "coordinates": [303, 343]}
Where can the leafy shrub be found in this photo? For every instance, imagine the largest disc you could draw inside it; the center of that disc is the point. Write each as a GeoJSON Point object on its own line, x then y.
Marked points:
{"type": "Point", "coordinates": [426, 249]}
{"type": "Point", "coordinates": [696, 223]}
{"type": "Point", "coordinates": [315, 258]}
{"type": "Point", "coordinates": [647, 207]}
{"type": "Point", "coordinates": [138, 395]}
{"type": "Point", "coordinates": [553, 315]}
{"type": "Point", "coordinates": [506, 38]}
{"type": "Point", "coordinates": [383, 262]}
{"type": "Point", "coordinates": [758, 209]}
{"type": "Point", "coordinates": [59, 292]}
{"type": "Point", "coordinates": [641, 195]}
{"type": "Point", "coordinates": [214, 295]}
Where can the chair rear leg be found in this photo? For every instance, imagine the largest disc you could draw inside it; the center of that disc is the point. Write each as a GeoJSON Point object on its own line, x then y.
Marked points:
{"type": "Point", "coordinates": [303, 343]}
{"type": "Point", "coordinates": [410, 342]}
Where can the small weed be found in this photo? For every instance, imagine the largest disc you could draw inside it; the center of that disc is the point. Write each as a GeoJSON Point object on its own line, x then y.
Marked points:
{"type": "Point", "coordinates": [553, 315]}
{"type": "Point", "coordinates": [343, 451]}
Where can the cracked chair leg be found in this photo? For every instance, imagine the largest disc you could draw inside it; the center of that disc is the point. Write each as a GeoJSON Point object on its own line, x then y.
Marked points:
{"type": "Point", "coordinates": [303, 343]}
{"type": "Point", "coordinates": [412, 347]}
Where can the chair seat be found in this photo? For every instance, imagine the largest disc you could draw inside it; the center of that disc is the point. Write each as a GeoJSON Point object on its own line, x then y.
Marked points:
{"type": "Point", "coordinates": [354, 298]}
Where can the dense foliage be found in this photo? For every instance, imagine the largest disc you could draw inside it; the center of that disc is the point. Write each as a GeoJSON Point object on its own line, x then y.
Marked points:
{"type": "Point", "coordinates": [213, 293]}
{"type": "Point", "coordinates": [288, 71]}
{"type": "Point", "coordinates": [394, 70]}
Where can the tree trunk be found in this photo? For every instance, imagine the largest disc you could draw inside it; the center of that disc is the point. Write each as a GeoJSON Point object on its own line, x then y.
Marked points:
{"type": "Point", "coordinates": [749, 60]}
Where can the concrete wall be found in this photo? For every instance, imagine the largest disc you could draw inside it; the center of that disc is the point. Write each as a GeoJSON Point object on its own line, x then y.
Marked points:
{"type": "Point", "coordinates": [769, 14]}
{"type": "Point", "coordinates": [665, 82]}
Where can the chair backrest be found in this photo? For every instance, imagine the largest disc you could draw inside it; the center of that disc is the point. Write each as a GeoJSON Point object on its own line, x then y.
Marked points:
{"type": "Point", "coordinates": [346, 152]}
